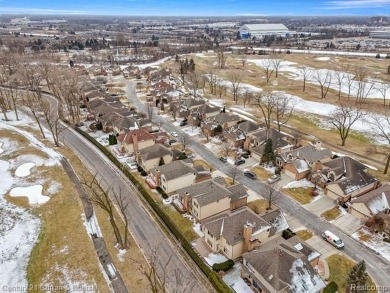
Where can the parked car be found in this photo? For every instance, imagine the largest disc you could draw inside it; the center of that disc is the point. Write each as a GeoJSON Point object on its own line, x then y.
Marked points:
{"type": "Point", "coordinates": [172, 141]}
{"type": "Point", "coordinates": [250, 174]}
{"type": "Point", "coordinates": [132, 165]}
{"type": "Point", "coordinates": [223, 159]}
{"type": "Point", "coordinates": [332, 239]}
{"type": "Point", "coordinates": [245, 155]}
{"type": "Point", "coordinates": [183, 123]}
{"type": "Point", "coordinates": [273, 178]}
{"type": "Point", "coordinates": [239, 162]}
{"type": "Point", "coordinates": [174, 134]}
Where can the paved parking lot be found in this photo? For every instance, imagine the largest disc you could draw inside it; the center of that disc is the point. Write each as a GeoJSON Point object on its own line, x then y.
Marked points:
{"type": "Point", "coordinates": [323, 247]}
{"type": "Point", "coordinates": [321, 205]}
{"type": "Point", "coordinates": [348, 223]}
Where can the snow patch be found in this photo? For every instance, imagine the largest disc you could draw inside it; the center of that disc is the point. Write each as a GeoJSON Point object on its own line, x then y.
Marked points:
{"type": "Point", "coordinates": [24, 170]}
{"type": "Point", "coordinates": [197, 229]}
{"type": "Point", "coordinates": [92, 225]}
{"type": "Point", "coordinates": [121, 253]}
{"type": "Point", "coordinates": [213, 258]}
{"type": "Point", "coordinates": [375, 242]}
{"type": "Point", "coordinates": [323, 58]}
{"type": "Point", "coordinates": [302, 280]}
{"type": "Point", "coordinates": [33, 193]}
{"type": "Point", "coordinates": [1, 148]}
{"type": "Point", "coordinates": [304, 183]}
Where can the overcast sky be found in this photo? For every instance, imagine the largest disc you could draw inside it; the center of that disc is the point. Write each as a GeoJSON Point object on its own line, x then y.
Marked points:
{"type": "Point", "coordinates": [198, 7]}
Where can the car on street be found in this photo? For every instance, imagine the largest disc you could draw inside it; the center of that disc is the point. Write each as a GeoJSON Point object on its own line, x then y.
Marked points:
{"type": "Point", "coordinates": [132, 165]}
{"type": "Point", "coordinates": [239, 162]}
{"type": "Point", "coordinates": [273, 178]}
{"type": "Point", "coordinates": [172, 141]}
{"type": "Point", "coordinates": [332, 239]}
{"type": "Point", "coordinates": [174, 134]}
{"type": "Point", "coordinates": [223, 159]}
{"type": "Point", "coordinates": [183, 123]}
{"type": "Point", "coordinates": [250, 174]}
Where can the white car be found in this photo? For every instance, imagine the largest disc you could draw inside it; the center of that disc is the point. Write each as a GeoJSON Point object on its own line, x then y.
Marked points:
{"type": "Point", "coordinates": [273, 178]}
{"type": "Point", "coordinates": [132, 165]}
{"type": "Point", "coordinates": [174, 134]}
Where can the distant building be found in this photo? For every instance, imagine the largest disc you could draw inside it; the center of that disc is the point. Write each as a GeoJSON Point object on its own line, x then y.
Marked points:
{"type": "Point", "coordinates": [261, 29]}
{"type": "Point", "coordinates": [380, 34]}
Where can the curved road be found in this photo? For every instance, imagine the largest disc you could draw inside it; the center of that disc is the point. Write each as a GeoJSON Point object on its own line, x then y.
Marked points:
{"type": "Point", "coordinates": [378, 267]}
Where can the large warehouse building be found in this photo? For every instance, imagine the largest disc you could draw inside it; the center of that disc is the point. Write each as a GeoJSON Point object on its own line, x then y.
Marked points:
{"type": "Point", "coordinates": [251, 30]}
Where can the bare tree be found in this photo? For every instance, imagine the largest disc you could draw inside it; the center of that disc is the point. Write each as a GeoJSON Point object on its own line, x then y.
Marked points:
{"type": "Point", "coordinates": [267, 104]}
{"type": "Point", "coordinates": [195, 80]}
{"type": "Point", "coordinates": [149, 110]}
{"type": "Point", "coordinates": [220, 88]}
{"type": "Point", "coordinates": [235, 79]}
{"type": "Point", "coordinates": [364, 85]}
{"type": "Point", "coordinates": [271, 195]}
{"type": "Point", "coordinates": [247, 97]}
{"type": "Point", "coordinates": [349, 78]}
{"type": "Point", "coordinates": [381, 129]}
{"type": "Point", "coordinates": [212, 80]}
{"type": "Point", "coordinates": [233, 172]}
{"type": "Point", "coordinates": [100, 196]}
{"type": "Point", "coordinates": [52, 120]}
{"type": "Point", "coordinates": [383, 88]}
{"type": "Point", "coordinates": [340, 76]}
{"type": "Point", "coordinates": [324, 79]}
{"type": "Point", "coordinates": [244, 61]}
{"type": "Point", "coordinates": [268, 69]}
{"type": "Point", "coordinates": [222, 57]}
{"type": "Point", "coordinates": [226, 147]}
{"type": "Point", "coordinates": [306, 73]}
{"type": "Point", "coordinates": [283, 110]}
{"type": "Point", "coordinates": [184, 139]}
{"type": "Point", "coordinates": [173, 110]}
{"type": "Point", "coordinates": [344, 117]}
{"type": "Point", "coordinates": [277, 64]}
{"type": "Point", "coordinates": [297, 138]}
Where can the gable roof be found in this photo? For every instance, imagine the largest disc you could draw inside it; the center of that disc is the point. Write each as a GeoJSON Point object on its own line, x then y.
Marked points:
{"type": "Point", "coordinates": [277, 220]}
{"type": "Point", "coordinates": [301, 165]}
{"type": "Point", "coordinates": [173, 170]}
{"type": "Point", "coordinates": [206, 109]}
{"type": "Point", "coordinates": [248, 126]}
{"type": "Point", "coordinates": [125, 123]}
{"type": "Point", "coordinates": [284, 267]}
{"type": "Point", "coordinates": [352, 172]}
{"type": "Point", "coordinates": [154, 151]}
{"type": "Point", "coordinates": [309, 153]}
{"type": "Point", "coordinates": [225, 117]}
{"type": "Point", "coordinates": [303, 247]}
{"type": "Point", "coordinates": [231, 225]}
{"type": "Point", "coordinates": [141, 134]}
{"type": "Point", "coordinates": [279, 140]}
{"type": "Point", "coordinates": [238, 191]}
{"type": "Point", "coordinates": [376, 200]}
{"type": "Point", "coordinates": [191, 102]}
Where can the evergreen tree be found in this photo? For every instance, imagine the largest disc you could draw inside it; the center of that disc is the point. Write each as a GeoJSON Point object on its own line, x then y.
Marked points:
{"type": "Point", "coordinates": [161, 162]}
{"type": "Point", "coordinates": [99, 125]}
{"type": "Point", "coordinates": [357, 278]}
{"type": "Point", "coordinates": [268, 154]}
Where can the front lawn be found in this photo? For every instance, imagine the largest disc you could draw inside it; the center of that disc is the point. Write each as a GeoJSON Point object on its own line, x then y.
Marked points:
{"type": "Point", "coordinates": [331, 214]}
{"type": "Point", "coordinates": [300, 194]}
{"type": "Point", "coordinates": [304, 234]}
{"type": "Point", "coordinates": [261, 173]}
{"type": "Point", "coordinates": [259, 206]}
{"type": "Point", "coordinates": [339, 267]}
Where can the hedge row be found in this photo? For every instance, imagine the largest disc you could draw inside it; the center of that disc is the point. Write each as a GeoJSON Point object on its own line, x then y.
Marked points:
{"type": "Point", "coordinates": [214, 278]}
{"type": "Point", "coordinates": [332, 287]}
{"type": "Point", "coordinates": [223, 266]}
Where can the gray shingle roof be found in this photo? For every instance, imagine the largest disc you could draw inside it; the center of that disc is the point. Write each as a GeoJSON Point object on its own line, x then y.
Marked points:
{"type": "Point", "coordinates": [309, 153]}
{"type": "Point", "coordinates": [248, 126]}
{"type": "Point", "coordinates": [278, 139]}
{"type": "Point", "coordinates": [225, 117]}
{"type": "Point", "coordinates": [238, 191]}
{"type": "Point", "coordinates": [231, 225]}
{"type": "Point", "coordinates": [154, 151]}
{"type": "Point", "coordinates": [174, 170]}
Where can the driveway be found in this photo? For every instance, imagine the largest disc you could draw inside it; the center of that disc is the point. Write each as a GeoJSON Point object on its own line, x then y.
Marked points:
{"type": "Point", "coordinates": [293, 223]}
{"type": "Point", "coordinates": [320, 205]}
{"type": "Point", "coordinates": [284, 180]}
{"type": "Point", "coordinates": [326, 249]}
{"type": "Point", "coordinates": [348, 223]}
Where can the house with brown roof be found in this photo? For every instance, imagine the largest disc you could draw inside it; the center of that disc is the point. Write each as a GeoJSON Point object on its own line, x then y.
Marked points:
{"type": "Point", "coordinates": [135, 140]}
{"type": "Point", "coordinates": [278, 266]}
{"type": "Point", "coordinates": [259, 138]}
{"type": "Point", "coordinates": [344, 178]}
{"type": "Point", "coordinates": [123, 125]}
{"type": "Point", "coordinates": [108, 120]}
{"type": "Point", "coordinates": [150, 157]}
{"type": "Point", "coordinates": [238, 133]}
{"type": "Point", "coordinates": [226, 120]}
{"type": "Point", "coordinates": [211, 197]}
{"type": "Point", "coordinates": [240, 231]}
{"type": "Point", "coordinates": [375, 202]}
{"type": "Point", "coordinates": [206, 111]}
{"type": "Point", "coordinates": [298, 163]}
{"type": "Point", "coordinates": [173, 176]}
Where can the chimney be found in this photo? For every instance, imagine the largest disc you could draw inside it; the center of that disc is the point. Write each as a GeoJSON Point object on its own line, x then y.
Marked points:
{"type": "Point", "coordinates": [157, 178]}
{"type": "Point", "coordinates": [248, 229]}
{"type": "Point", "coordinates": [135, 143]}
{"type": "Point", "coordinates": [186, 201]}
{"type": "Point", "coordinates": [318, 145]}
{"type": "Point", "coordinates": [317, 166]}
{"type": "Point", "coordinates": [138, 158]}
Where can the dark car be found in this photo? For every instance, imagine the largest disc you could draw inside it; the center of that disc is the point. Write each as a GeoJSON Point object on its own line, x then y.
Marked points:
{"type": "Point", "coordinates": [250, 174]}
{"type": "Point", "coordinates": [239, 162]}
{"type": "Point", "coordinates": [183, 123]}
{"type": "Point", "coordinates": [245, 155]}
{"type": "Point", "coordinates": [223, 159]}
{"type": "Point", "coordinates": [172, 141]}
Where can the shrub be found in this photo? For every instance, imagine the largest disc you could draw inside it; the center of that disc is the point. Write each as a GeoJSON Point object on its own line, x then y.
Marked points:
{"type": "Point", "coordinates": [332, 287]}
{"type": "Point", "coordinates": [278, 170]}
{"type": "Point", "coordinates": [140, 169]}
{"type": "Point", "coordinates": [143, 173]}
{"type": "Point", "coordinates": [182, 156]}
{"type": "Point", "coordinates": [99, 125]}
{"type": "Point", "coordinates": [288, 233]}
{"type": "Point", "coordinates": [288, 52]}
{"type": "Point", "coordinates": [112, 139]}
{"type": "Point", "coordinates": [162, 192]}
{"type": "Point", "coordinates": [223, 266]}
{"type": "Point", "coordinates": [386, 240]}
{"type": "Point", "coordinates": [378, 56]}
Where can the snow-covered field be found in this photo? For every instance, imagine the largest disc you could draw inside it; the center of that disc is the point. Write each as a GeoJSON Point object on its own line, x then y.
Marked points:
{"type": "Point", "coordinates": [375, 242]}
{"type": "Point", "coordinates": [192, 131]}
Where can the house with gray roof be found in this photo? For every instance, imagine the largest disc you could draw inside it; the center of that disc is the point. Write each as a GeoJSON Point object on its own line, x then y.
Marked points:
{"type": "Point", "coordinates": [279, 266]}
{"type": "Point", "coordinates": [124, 124]}
{"type": "Point", "coordinates": [311, 254]}
{"type": "Point", "coordinates": [211, 197]}
{"type": "Point", "coordinates": [151, 156]}
{"type": "Point", "coordinates": [226, 120]}
{"type": "Point", "coordinates": [344, 178]}
{"type": "Point", "coordinates": [173, 176]}
{"type": "Point", "coordinates": [237, 135]}
{"type": "Point", "coordinates": [375, 202]}
{"type": "Point", "coordinates": [234, 233]}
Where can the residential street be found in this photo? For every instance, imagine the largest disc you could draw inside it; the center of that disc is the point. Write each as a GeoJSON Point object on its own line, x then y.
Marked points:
{"type": "Point", "coordinates": [377, 267]}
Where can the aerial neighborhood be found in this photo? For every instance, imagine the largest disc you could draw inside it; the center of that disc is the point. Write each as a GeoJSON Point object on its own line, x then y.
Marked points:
{"type": "Point", "coordinates": [194, 155]}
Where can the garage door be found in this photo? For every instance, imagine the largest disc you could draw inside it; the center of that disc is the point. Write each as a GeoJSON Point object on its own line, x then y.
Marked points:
{"type": "Point", "coordinates": [289, 173]}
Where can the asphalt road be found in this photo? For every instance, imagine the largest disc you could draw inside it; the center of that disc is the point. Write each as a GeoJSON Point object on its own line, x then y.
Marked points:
{"type": "Point", "coordinates": [378, 267]}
